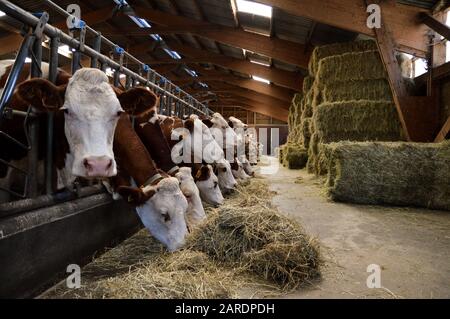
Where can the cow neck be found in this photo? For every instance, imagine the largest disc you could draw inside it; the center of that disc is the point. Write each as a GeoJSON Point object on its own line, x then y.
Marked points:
{"type": "Point", "coordinates": [132, 156]}
{"type": "Point", "coordinates": [154, 140]}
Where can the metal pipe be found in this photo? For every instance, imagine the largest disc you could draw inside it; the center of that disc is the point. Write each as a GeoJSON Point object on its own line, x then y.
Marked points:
{"type": "Point", "coordinates": [11, 81]}
{"type": "Point", "coordinates": [53, 73]}
{"type": "Point", "coordinates": [20, 206]}
{"type": "Point", "coordinates": [76, 59]}
{"type": "Point", "coordinates": [97, 45]}
{"type": "Point", "coordinates": [33, 154]}
{"type": "Point", "coordinates": [20, 14]}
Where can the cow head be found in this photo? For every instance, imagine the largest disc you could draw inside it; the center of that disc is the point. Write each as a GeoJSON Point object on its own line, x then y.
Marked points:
{"type": "Point", "coordinates": [229, 137]}
{"type": "Point", "coordinates": [162, 210]}
{"type": "Point", "coordinates": [91, 109]}
{"type": "Point", "coordinates": [238, 170]}
{"type": "Point", "coordinates": [208, 185]}
{"type": "Point", "coordinates": [195, 213]}
{"type": "Point", "coordinates": [227, 182]}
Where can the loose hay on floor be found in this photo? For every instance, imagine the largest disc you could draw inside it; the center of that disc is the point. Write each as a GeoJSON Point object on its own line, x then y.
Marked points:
{"type": "Point", "coordinates": [244, 243]}
{"type": "Point", "coordinates": [398, 173]}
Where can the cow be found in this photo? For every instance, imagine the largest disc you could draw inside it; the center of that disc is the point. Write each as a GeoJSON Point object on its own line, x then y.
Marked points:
{"type": "Point", "coordinates": [246, 146]}
{"type": "Point", "coordinates": [176, 132]}
{"type": "Point", "coordinates": [86, 111]}
{"type": "Point", "coordinates": [152, 136]}
{"type": "Point", "coordinates": [156, 196]}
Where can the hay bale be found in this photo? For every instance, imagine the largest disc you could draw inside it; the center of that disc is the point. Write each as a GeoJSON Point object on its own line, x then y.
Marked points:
{"type": "Point", "coordinates": [405, 174]}
{"type": "Point", "coordinates": [361, 120]}
{"type": "Point", "coordinates": [351, 67]}
{"type": "Point", "coordinates": [373, 90]}
{"type": "Point", "coordinates": [325, 51]}
{"type": "Point", "coordinates": [308, 82]}
{"type": "Point", "coordinates": [305, 126]}
{"type": "Point", "coordinates": [296, 157]}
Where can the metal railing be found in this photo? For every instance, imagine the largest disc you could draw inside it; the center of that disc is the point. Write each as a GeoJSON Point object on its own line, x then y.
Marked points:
{"type": "Point", "coordinates": [173, 99]}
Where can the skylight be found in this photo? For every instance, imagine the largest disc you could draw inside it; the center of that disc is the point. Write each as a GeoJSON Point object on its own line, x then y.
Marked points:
{"type": "Point", "coordinates": [254, 8]}
{"type": "Point", "coordinates": [191, 72]}
{"type": "Point", "coordinates": [156, 37]}
{"type": "Point", "coordinates": [203, 84]}
{"type": "Point", "coordinates": [2, 14]}
{"type": "Point", "coordinates": [259, 62]}
{"type": "Point", "coordinates": [257, 78]}
{"type": "Point", "coordinates": [142, 23]}
{"type": "Point", "coordinates": [173, 54]}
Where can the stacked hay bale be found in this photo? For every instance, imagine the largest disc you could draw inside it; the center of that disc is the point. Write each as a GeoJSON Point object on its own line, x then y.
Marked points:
{"type": "Point", "coordinates": [351, 100]}
{"type": "Point", "coordinates": [395, 173]}
{"type": "Point", "coordinates": [294, 154]}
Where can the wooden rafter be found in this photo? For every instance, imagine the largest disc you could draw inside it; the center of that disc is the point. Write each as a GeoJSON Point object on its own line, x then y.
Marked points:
{"type": "Point", "coordinates": [277, 113]}
{"type": "Point", "coordinates": [443, 132]}
{"type": "Point", "coordinates": [351, 15]}
{"type": "Point", "coordinates": [436, 25]}
{"type": "Point", "coordinates": [287, 51]}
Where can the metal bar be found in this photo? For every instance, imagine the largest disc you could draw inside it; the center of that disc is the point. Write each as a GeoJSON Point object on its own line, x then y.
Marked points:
{"type": "Point", "coordinates": [20, 14]}
{"type": "Point", "coordinates": [117, 78]}
{"type": "Point", "coordinates": [20, 206]}
{"type": "Point", "coordinates": [52, 75]}
{"type": "Point", "coordinates": [97, 45]}
{"type": "Point", "coordinates": [33, 155]}
{"type": "Point", "coordinates": [10, 84]}
{"type": "Point", "coordinates": [76, 59]}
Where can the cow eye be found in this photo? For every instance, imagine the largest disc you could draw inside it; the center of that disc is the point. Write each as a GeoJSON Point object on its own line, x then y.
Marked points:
{"type": "Point", "coordinates": [166, 217]}
{"type": "Point", "coordinates": [119, 113]}
{"type": "Point", "coordinates": [215, 184]}
{"type": "Point", "coordinates": [224, 169]}
{"type": "Point", "coordinates": [66, 111]}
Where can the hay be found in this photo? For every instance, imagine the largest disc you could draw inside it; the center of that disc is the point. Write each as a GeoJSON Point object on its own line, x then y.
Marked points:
{"type": "Point", "coordinates": [244, 232]}
{"type": "Point", "coordinates": [405, 174]}
{"type": "Point", "coordinates": [305, 127]}
{"type": "Point", "coordinates": [295, 156]}
{"type": "Point", "coordinates": [351, 67]}
{"type": "Point", "coordinates": [322, 52]}
{"type": "Point", "coordinates": [231, 251]}
{"type": "Point", "coordinates": [355, 90]}
{"type": "Point", "coordinates": [357, 121]}
{"type": "Point", "coordinates": [289, 265]}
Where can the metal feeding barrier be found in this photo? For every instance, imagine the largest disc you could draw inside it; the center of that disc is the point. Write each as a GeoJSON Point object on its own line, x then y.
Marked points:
{"type": "Point", "coordinates": [173, 100]}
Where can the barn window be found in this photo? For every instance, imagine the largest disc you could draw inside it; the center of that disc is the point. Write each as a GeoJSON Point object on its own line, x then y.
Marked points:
{"type": "Point", "coordinates": [254, 8]}
{"type": "Point", "coordinates": [259, 79]}
{"type": "Point", "coordinates": [2, 13]}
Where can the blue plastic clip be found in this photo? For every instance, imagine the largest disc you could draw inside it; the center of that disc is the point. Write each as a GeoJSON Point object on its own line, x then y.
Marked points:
{"type": "Point", "coordinates": [145, 68]}
{"type": "Point", "coordinates": [119, 50]}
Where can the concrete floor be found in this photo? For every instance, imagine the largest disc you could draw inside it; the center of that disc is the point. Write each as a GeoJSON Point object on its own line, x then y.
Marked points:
{"type": "Point", "coordinates": [411, 246]}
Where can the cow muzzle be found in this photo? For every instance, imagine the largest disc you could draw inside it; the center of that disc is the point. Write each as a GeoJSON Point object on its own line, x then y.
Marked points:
{"type": "Point", "coordinates": [98, 166]}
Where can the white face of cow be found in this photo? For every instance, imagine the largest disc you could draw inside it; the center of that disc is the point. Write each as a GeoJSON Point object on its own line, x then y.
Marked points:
{"type": "Point", "coordinates": [164, 213]}
{"type": "Point", "coordinates": [228, 134]}
{"type": "Point", "coordinates": [248, 169]}
{"type": "Point", "coordinates": [209, 189]}
{"type": "Point", "coordinates": [195, 212]}
{"type": "Point", "coordinates": [240, 174]}
{"type": "Point", "coordinates": [227, 182]}
{"type": "Point", "coordinates": [91, 114]}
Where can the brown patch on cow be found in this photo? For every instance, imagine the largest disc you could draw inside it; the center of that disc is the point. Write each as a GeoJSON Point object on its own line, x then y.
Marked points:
{"type": "Point", "coordinates": [42, 94]}
{"type": "Point", "coordinates": [131, 154]}
{"type": "Point", "coordinates": [138, 101]}
{"type": "Point", "coordinates": [135, 196]}
{"type": "Point", "coordinates": [189, 125]}
{"type": "Point", "coordinates": [201, 172]}
{"type": "Point", "coordinates": [208, 123]}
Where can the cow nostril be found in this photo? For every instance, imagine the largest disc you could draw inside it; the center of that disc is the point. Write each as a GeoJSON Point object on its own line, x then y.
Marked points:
{"type": "Point", "coordinates": [109, 164]}
{"type": "Point", "coordinates": [86, 164]}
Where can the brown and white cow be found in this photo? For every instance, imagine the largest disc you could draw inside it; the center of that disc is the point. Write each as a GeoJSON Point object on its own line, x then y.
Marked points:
{"type": "Point", "coordinates": [157, 197]}
{"type": "Point", "coordinates": [86, 113]}
{"type": "Point", "coordinates": [152, 136]}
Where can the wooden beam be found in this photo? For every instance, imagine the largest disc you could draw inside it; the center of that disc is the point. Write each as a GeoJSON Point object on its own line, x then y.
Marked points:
{"type": "Point", "coordinates": [351, 15]}
{"type": "Point", "coordinates": [435, 24]}
{"type": "Point", "coordinates": [228, 89]}
{"type": "Point", "coordinates": [271, 90]}
{"type": "Point", "coordinates": [12, 43]}
{"type": "Point", "coordinates": [418, 115]}
{"type": "Point", "coordinates": [279, 114]}
{"type": "Point", "coordinates": [443, 132]}
{"type": "Point", "coordinates": [279, 77]}
{"type": "Point", "coordinates": [287, 51]}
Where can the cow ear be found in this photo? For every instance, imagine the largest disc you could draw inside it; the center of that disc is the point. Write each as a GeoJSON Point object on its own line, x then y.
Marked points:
{"type": "Point", "coordinates": [209, 123]}
{"type": "Point", "coordinates": [135, 196]}
{"type": "Point", "coordinates": [42, 94]}
{"type": "Point", "coordinates": [189, 124]}
{"type": "Point", "coordinates": [137, 101]}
